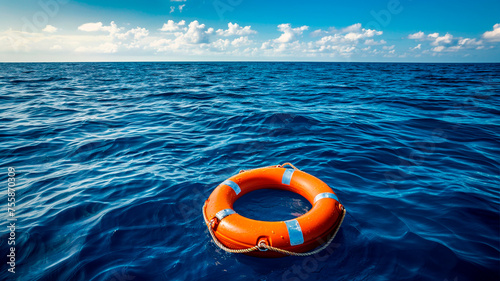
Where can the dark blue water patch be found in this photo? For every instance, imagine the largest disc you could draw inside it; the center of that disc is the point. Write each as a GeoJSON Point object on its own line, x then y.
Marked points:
{"type": "Point", "coordinates": [115, 160]}
{"type": "Point", "coordinates": [39, 80]}
{"type": "Point", "coordinates": [283, 205]}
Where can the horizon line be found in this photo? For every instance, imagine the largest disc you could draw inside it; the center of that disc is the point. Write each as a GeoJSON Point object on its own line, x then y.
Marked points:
{"type": "Point", "coordinates": [252, 61]}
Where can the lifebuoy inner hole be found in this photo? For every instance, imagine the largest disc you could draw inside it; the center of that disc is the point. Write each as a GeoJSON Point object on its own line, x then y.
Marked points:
{"type": "Point", "coordinates": [272, 205]}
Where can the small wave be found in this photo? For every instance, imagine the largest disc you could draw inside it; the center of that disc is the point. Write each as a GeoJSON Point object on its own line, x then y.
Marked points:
{"type": "Point", "coordinates": [115, 160]}
{"type": "Point", "coordinates": [49, 79]}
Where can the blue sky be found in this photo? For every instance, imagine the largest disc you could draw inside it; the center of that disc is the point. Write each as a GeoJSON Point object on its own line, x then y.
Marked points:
{"type": "Point", "coordinates": [194, 30]}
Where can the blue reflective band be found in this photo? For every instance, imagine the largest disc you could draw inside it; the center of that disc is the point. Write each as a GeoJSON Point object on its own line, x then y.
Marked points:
{"type": "Point", "coordinates": [224, 213]}
{"type": "Point", "coordinates": [326, 195]}
{"type": "Point", "coordinates": [287, 176]}
{"type": "Point", "coordinates": [294, 232]}
{"type": "Point", "coordinates": [233, 185]}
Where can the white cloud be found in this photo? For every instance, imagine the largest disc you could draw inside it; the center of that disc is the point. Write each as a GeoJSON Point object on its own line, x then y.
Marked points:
{"type": "Point", "coordinates": [341, 42]}
{"type": "Point", "coordinates": [440, 40]}
{"type": "Point", "coordinates": [178, 0]}
{"type": "Point", "coordinates": [417, 36]}
{"type": "Point", "coordinates": [433, 35]}
{"type": "Point", "coordinates": [183, 37]}
{"type": "Point", "coordinates": [289, 34]}
{"type": "Point", "coordinates": [50, 29]}
{"type": "Point", "coordinates": [198, 38]}
{"type": "Point", "coordinates": [494, 35]}
{"type": "Point", "coordinates": [469, 42]}
{"type": "Point", "coordinates": [221, 44]}
{"type": "Point", "coordinates": [266, 45]}
{"type": "Point", "coordinates": [447, 42]}
{"type": "Point", "coordinates": [372, 42]}
{"type": "Point", "coordinates": [98, 26]}
{"type": "Point", "coordinates": [356, 28]}
{"type": "Point", "coordinates": [389, 47]}
{"type": "Point", "coordinates": [135, 33]}
{"type": "Point", "coordinates": [236, 29]}
{"type": "Point", "coordinates": [438, 49]}
{"type": "Point", "coordinates": [91, 26]}
{"type": "Point", "coordinates": [133, 38]}
{"type": "Point", "coordinates": [172, 9]}
{"type": "Point", "coordinates": [171, 26]}
{"type": "Point", "coordinates": [466, 43]}
{"type": "Point", "coordinates": [418, 47]}
{"type": "Point", "coordinates": [318, 32]}
{"type": "Point", "coordinates": [195, 34]}
{"type": "Point", "coordinates": [351, 34]}
{"type": "Point", "coordinates": [181, 7]}
{"type": "Point", "coordinates": [361, 34]}
{"type": "Point", "coordinates": [241, 41]}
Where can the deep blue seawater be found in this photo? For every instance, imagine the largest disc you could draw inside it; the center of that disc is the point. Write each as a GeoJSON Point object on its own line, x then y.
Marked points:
{"type": "Point", "coordinates": [115, 160]}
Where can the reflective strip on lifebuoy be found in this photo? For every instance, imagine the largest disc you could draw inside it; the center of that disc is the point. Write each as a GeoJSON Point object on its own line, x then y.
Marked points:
{"type": "Point", "coordinates": [295, 233]}
{"type": "Point", "coordinates": [224, 213]}
{"type": "Point", "coordinates": [326, 195]}
{"type": "Point", "coordinates": [233, 185]}
{"type": "Point", "coordinates": [287, 176]}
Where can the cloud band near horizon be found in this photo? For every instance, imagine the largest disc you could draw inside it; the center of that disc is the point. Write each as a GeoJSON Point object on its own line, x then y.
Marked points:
{"type": "Point", "coordinates": [198, 41]}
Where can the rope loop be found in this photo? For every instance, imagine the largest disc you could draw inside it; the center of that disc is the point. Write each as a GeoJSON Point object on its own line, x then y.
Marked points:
{"type": "Point", "coordinates": [288, 164]}
{"type": "Point", "coordinates": [262, 245]}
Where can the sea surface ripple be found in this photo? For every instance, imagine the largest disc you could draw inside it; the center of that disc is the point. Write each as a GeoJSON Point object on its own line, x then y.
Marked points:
{"type": "Point", "coordinates": [115, 160]}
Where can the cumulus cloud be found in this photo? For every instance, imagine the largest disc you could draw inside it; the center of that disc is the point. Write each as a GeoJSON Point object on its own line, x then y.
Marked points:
{"type": "Point", "coordinates": [447, 42]}
{"type": "Point", "coordinates": [494, 35]}
{"type": "Point", "coordinates": [221, 44]}
{"type": "Point", "coordinates": [374, 42]}
{"type": "Point", "coordinates": [350, 35]}
{"type": "Point", "coordinates": [91, 26]}
{"type": "Point", "coordinates": [356, 35]}
{"type": "Point", "coordinates": [418, 35]}
{"type": "Point", "coordinates": [98, 26]}
{"type": "Point", "coordinates": [469, 42]}
{"type": "Point", "coordinates": [332, 42]}
{"type": "Point", "coordinates": [171, 26]}
{"type": "Point", "coordinates": [440, 40]}
{"type": "Point", "coordinates": [433, 35]}
{"type": "Point", "coordinates": [236, 29]}
{"type": "Point", "coordinates": [241, 41]}
{"type": "Point", "coordinates": [49, 28]}
{"type": "Point", "coordinates": [196, 34]}
{"type": "Point", "coordinates": [352, 28]}
{"type": "Point", "coordinates": [289, 34]}
{"type": "Point", "coordinates": [438, 49]}
{"type": "Point", "coordinates": [182, 37]}
{"type": "Point", "coordinates": [345, 41]}
{"type": "Point", "coordinates": [117, 38]}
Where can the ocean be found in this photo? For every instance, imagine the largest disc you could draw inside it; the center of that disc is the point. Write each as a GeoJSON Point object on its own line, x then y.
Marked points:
{"type": "Point", "coordinates": [112, 162]}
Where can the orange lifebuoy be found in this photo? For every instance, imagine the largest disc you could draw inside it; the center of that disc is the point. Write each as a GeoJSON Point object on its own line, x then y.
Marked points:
{"type": "Point", "coordinates": [299, 235]}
